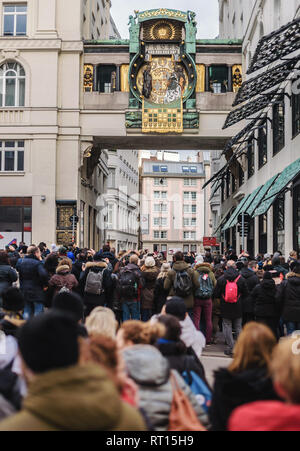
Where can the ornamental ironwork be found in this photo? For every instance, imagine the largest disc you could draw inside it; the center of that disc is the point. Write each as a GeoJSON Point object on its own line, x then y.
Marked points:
{"type": "Point", "coordinates": [276, 45]}
{"type": "Point", "coordinates": [267, 80]}
{"type": "Point", "coordinates": [235, 140]}
{"type": "Point", "coordinates": [249, 109]}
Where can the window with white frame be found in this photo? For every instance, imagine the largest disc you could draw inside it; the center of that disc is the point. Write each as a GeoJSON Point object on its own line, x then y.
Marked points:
{"type": "Point", "coordinates": [189, 235]}
{"type": "Point", "coordinates": [190, 195]}
{"type": "Point", "coordinates": [160, 194]}
{"type": "Point", "coordinates": [15, 19]}
{"type": "Point", "coordinates": [160, 182]}
{"type": "Point", "coordinates": [162, 222]}
{"type": "Point", "coordinates": [189, 222]}
{"type": "Point", "coordinates": [190, 182]}
{"type": "Point", "coordinates": [11, 156]}
{"type": "Point", "coordinates": [160, 208]}
{"type": "Point", "coordinates": [12, 85]}
{"type": "Point", "coordinates": [160, 235]}
{"type": "Point", "coordinates": [189, 208]}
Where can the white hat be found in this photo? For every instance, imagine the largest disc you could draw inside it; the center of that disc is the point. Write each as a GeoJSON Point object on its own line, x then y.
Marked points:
{"type": "Point", "coordinates": [149, 262]}
{"type": "Point", "coordinates": [199, 260]}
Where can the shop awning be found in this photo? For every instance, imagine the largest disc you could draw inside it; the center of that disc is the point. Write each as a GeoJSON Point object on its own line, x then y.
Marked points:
{"type": "Point", "coordinates": [235, 140]}
{"type": "Point", "coordinates": [276, 45]}
{"type": "Point", "coordinates": [265, 81]}
{"type": "Point", "coordinates": [223, 219]}
{"type": "Point", "coordinates": [232, 221]}
{"type": "Point", "coordinates": [264, 189]}
{"type": "Point", "coordinates": [242, 208]}
{"type": "Point", "coordinates": [249, 109]}
{"type": "Point", "coordinates": [279, 187]}
{"type": "Point", "coordinates": [216, 186]}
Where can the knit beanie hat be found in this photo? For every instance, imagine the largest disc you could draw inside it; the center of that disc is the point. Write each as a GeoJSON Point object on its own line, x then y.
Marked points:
{"type": "Point", "coordinates": [150, 262]}
{"type": "Point", "coordinates": [13, 300]}
{"type": "Point", "coordinates": [176, 307]}
{"type": "Point", "coordinates": [49, 341]}
{"type": "Point", "coordinates": [70, 303]}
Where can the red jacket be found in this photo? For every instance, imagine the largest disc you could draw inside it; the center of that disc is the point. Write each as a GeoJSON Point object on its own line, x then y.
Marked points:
{"type": "Point", "coordinates": [265, 416]}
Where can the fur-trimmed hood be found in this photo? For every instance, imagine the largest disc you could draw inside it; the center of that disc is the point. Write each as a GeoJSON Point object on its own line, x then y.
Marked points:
{"type": "Point", "coordinates": [96, 265]}
{"type": "Point", "coordinates": [204, 267]}
{"type": "Point", "coordinates": [63, 269]}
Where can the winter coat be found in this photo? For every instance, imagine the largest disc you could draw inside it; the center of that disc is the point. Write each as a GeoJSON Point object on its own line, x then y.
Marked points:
{"type": "Point", "coordinates": [205, 268]}
{"type": "Point", "coordinates": [33, 277]}
{"type": "Point", "coordinates": [170, 279]}
{"type": "Point", "coordinates": [289, 296]}
{"type": "Point", "coordinates": [231, 311]}
{"type": "Point", "coordinates": [73, 399]}
{"type": "Point", "coordinates": [8, 275]}
{"type": "Point", "coordinates": [251, 280]}
{"type": "Point", "coordinates": [266, 416]}
{"type": "Point", "coordinates": [232, 390]}
{"type": "Point", "coordinates": [63, 278]}
{"type": "Point", "coordinates": [77, 269]}
{"type": "Point", "coordinates": [10, 323]}
{"type": "Point", "coordinates": [151, 372]}
{"type": "Point", "coordinates": [149, 276]}
{"type": "Point", "coordinates": [264, 299]}
{"type": "Point", "coordinates": [13, 258]}
{"type": "Point", "coordinates": [96, 267]}
{"type": "Point", "coordinates": [138, 280]}
{"type": "Point", "coordinates": [160, 294]}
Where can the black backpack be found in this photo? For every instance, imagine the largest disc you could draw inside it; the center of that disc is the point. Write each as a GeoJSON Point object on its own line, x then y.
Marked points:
{"type": "Point", "coordinates": [183, 285]}
{"type": "Point", "coordinates": [128, 284]}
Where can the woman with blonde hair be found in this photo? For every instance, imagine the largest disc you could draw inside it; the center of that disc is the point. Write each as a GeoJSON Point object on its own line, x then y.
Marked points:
{"type": "Point", "coordinates": [102, 321]}
{"type": "Point", "coordinates": [138, 333]}
{"type": "Point", "coordinates": [247, 379]}
{"type": "Point", "coordinates": [276, 415]}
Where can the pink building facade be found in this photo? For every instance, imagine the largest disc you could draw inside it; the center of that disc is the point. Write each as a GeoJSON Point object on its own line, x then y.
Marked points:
{"type": "Point", "coordinates": [175, 212]}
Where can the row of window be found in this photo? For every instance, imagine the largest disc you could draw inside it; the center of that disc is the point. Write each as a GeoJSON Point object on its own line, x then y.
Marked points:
{"type": "Point", "coordinates": [164, 182]}
{"type": "Point", "coordinates": [162, 235]}
{"type": "Point", "coordinates": [187, 195]}
{"type": "Point", "coordinates": [185, 169]}
{"type": "Point", "coordinates": [163, 208]}
{"type": "Point", "coordinates": [163, 222]}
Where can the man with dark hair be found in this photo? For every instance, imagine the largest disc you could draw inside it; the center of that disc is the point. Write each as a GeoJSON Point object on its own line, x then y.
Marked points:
{"type": "Point", "coordinates": [192, 338]}
{"type": "Point", "coordinates": [182, 281]}
{"type": "Point", "coordinates": [251, 280]}
{"type": "Point", "coordinates": [70, 303]}
{"type": "Point", "coordinates": [33, 278]}
{"type": "Point", "coordinates": [63, 395]}
{"type": "Point", "coordinates": [106, 253]}
{"type": "Point", "coordinates": [289, 297]}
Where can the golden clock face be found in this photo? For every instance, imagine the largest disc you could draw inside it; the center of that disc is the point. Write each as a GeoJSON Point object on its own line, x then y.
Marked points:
{"type": "Point", "coordinates": [167, 86]}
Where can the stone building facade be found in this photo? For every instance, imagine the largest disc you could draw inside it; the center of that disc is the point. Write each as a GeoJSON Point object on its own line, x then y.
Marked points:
{"type": "Point", "coordinates": [268, 164]}
{"type": "Point", "coordinates": [48, 171]}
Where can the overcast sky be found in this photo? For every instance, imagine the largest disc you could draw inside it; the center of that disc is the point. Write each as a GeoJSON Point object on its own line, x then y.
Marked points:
{"type": "Point", "coordinates": [206, 10]}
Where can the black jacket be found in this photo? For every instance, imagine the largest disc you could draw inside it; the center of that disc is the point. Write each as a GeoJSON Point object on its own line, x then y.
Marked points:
{"type": "Point", "coordinates": [96, 267]}
{"type": "Point", "coordinates": [231, 311]}
{"type": "Point", "coordinates": [232, 390]}
{"type": "Point", "coordinates": [138, 279]}
{"type": "Point", "coordinates": [289, 295]}
{"type": "Point", "coordinates": [160, 295]}
{"type": "Point", "coordinates": [251, 280]}
{"type": "Point", "coordinates": [264, 299]}
{"type": "Point", "coordinates": [7, 276]}
{"type": "Point", "coordinates": [33, 277]}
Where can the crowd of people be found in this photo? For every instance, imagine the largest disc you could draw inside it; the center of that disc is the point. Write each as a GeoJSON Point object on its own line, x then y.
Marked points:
{"type": "Point", "coordinates": [98, 341]}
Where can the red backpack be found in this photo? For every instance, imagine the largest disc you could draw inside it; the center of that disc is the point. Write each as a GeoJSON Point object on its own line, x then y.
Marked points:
{"type": "Point", "coordinates": [231, 291]}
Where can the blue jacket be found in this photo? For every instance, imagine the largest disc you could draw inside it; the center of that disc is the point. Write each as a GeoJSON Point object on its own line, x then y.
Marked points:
{"type": "Point", "coordinates": [33, 277]}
